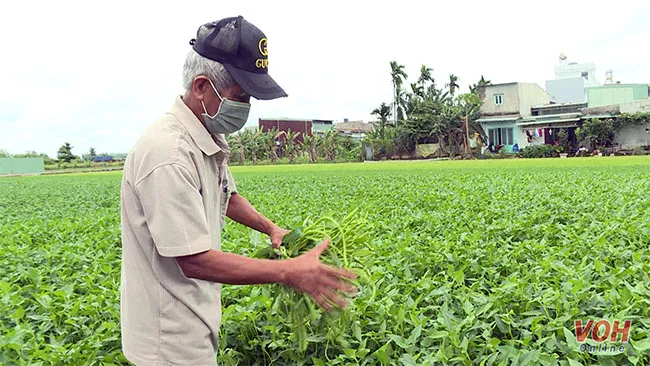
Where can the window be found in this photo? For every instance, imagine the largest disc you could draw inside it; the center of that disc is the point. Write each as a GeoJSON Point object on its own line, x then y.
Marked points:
{"type": "Point", "coordinates": [498, 99]}
{"type": "Point", "coordinates": [501, 136]}
{"type": "Point", "coordinates": [585, 75]}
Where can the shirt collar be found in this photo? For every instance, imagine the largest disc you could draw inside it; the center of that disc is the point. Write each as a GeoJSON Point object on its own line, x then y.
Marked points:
{"type": "Point", "coordinates": [197, 131]}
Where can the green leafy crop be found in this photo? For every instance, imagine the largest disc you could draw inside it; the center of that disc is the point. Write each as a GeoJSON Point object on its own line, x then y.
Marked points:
{"type": "Point", "coordinates": [462, 263]}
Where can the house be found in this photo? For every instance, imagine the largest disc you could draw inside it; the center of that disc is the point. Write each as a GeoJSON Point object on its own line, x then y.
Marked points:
{"type": "Point", "coordinates": [610, 100]}
{"type": "Point", "coordinates": [571, 90]}
{"type": "Point", "coordinates": [525, 114]}
{"type": "Point", "coordinates": [320, 127]}
{"type": "Point", "coordinates": [572, 81]}
{"type": "Point", "coordinates": [520, 113]}
{"type": "Point", "coordinates": [629, 137]}
{"type": "Point", "coordinates": [571, 70]}
{"type": "Point", "coordinates": [356, 129]}
{"type": "Point", "coordinates": [102, 159]}
{"type": "Point", "coordinates": [547, 120]}
{"type": "Point", "coordinates": [506, 113]}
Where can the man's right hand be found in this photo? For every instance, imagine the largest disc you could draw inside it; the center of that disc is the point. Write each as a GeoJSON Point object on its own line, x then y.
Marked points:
{"type": "Point", "coordinates": [323, 283]}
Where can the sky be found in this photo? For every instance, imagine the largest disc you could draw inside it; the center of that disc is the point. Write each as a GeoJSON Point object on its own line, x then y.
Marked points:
{"type": "Point", "coordinates": [96, 74]}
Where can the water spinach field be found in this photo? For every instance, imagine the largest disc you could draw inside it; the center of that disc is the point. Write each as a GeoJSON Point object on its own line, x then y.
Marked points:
{"type": "Point", "coordinates": [462, 262]}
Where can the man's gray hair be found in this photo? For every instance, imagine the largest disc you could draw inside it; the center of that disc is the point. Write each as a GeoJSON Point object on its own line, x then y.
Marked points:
{"type": "Point", "coordinates": [196, 65]}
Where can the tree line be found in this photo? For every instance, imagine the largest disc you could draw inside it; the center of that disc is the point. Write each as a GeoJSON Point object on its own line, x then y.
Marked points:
{"type": "Point", "coordinates": [255, 145]}
{"type": "Point", "coordinates": [426, 113]}
{"type": "Point", "coordinates": [420, 114]}
{"type": "Point", "coordinates": [64, 155]}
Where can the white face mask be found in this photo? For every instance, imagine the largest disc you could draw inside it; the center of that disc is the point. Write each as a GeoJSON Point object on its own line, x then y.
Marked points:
{"type": "Point", "coordinates": [230, 117]}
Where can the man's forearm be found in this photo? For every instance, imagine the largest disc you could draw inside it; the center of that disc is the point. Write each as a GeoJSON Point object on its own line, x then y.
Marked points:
{"type": "Point", "coordinates": [232, 269]}
{"type": "Point", "coordinates": [241, 211]}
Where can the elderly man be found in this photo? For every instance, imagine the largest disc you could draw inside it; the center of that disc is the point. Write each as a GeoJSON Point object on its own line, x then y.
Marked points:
{"type": "Point", "coordinates": [176, 192]}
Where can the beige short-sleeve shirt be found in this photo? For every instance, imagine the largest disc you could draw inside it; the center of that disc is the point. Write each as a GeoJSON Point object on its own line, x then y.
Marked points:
{"type": "Point", "coordinates": [174, 196]}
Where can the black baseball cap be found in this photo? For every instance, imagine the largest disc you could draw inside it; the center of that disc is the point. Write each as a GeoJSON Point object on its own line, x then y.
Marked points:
{"type": "Point", "coordinates": [242, 48]}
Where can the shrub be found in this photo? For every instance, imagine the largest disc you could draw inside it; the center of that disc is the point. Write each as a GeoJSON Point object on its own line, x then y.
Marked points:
{"type": "Point", "coordinates": [538, 151]}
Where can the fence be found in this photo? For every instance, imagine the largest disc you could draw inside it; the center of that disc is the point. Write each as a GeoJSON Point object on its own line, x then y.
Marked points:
{"type": "Point", "coordinates": [21, 165]}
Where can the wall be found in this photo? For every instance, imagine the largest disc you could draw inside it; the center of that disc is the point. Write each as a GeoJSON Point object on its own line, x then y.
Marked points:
{"type": "Point", "coordinates": [356, 136]}
{"type": "Point", "coordinates": [302, 126]}
{"type": "Point", "coordinates": [617, 94]}
{"type": "Point", "coordinates": [536, 140]}
{"type": "Point", "coordinates": [633, 136]}
{"type": "Point", "coordinates": [520, 137]}
{"type": "Point", "coordinates": [600, 96]}
{"type": "Point", "coordinates": [531, 95]}
{"type": "Point", "coordinates": [567, 90]}
{"type": "Point", "coordinates": [510, 100]}
{"type": "Point", "coordinates": [634, 107]}
{"type": "Point", "coordinates": [321, 127]}
{"type": "Point", "coordinates": [641, 92]}
{"type": "Point", "coordinates": [21, 165]}
{"type": "Point", "coordinates": [6, 166]}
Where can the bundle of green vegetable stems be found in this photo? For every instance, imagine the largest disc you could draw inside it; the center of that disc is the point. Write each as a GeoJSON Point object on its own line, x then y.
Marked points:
{"type": "Point", "coordinates": [348, 246]}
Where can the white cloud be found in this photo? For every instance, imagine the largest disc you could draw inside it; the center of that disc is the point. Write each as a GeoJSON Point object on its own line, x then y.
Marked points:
{"type": "Point", "coordinates": [96, 74]}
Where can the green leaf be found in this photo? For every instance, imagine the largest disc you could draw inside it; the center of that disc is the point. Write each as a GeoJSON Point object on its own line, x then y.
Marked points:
{"type": "Point", "coordinates": [415, 335]}
{"type": "Point", "coordinates": [547, 360]}
{"type": "Point", "coordinates": [529, 358]}
{"type": "Point", "coordinates": [468, 307]}
{"type": "Point", "coordinates": [292, 237]}
{"type": "Point", "coordinates": [437, 334]}
{"type": "Point", "coordinates": [356, 329]}
{"type": "Point", "coordinates": [571, 340]}
{"type": "Point", "coordinates": [642, 345]}
{"type": "Point", "coordinates": [403, 343]}
{"type": "Point", "coordinates": [463, 344]}
{"type": "Point", "coordinates": [407, 360]}
{"type": "Point", "coordinates": [573, 362]}
{"type": "Point", "coordinates": [350, 352]}
{"type": "Point", "coordinates": [382, 356]}
{"type": "Point", "coordinates": [18, 314]}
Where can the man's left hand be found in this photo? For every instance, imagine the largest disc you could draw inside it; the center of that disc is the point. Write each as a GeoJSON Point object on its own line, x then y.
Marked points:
{"type": "Point", "coordinates": [276, 235]}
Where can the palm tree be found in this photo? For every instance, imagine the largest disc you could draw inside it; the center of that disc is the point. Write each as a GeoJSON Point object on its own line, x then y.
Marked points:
{"type": "Point", "coordinates": [453, 84]}
{"type": "Point", "coordinates": [382, 113]}
{"type": "Point", "coordinates": [417, 90]}
{"type": "Point", "coordinates": [484, 82]}
{"type": "Point", "coordinates": [477, 88]}
{"type": "Point", "coordinates": [425, 75]}
{"type": "Point", "coordinates": [402, 104]}
{"type": "Point", "coordinates": [398, 76]}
